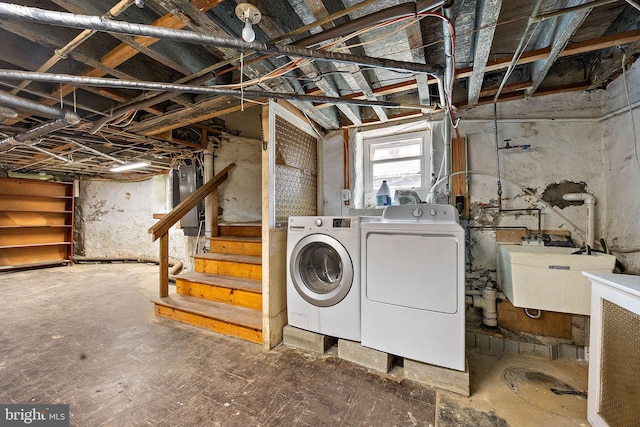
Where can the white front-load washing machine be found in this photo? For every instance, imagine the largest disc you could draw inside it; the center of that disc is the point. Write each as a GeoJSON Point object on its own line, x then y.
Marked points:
{"type": "Point", "coordinates": [413, 284]}
{"type": "Point", "coordinates": [323, 275]}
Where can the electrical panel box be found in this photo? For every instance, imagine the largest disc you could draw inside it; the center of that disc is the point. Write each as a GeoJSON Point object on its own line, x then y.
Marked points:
{"type": "Point", "coordinates": [185, 181]}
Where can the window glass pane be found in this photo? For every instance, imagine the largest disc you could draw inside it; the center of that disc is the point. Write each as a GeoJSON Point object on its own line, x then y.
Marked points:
{"type": "Point", "coordinates": [400, 175]}
{"type": "Point", "coordinates": [396, 150]}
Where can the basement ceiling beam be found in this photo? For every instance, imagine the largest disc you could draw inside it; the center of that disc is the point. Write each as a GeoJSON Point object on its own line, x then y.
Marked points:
{"type": "Point", "coordinates": [562, 28]}
{"type": "Point", "coordinates": [489, 13]}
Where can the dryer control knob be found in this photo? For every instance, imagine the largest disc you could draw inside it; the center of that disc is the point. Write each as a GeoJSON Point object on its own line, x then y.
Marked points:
{"type": "Point", "coordinates": [318, 222]}
{"type": "Point", "coordinates": [417, 213]}
{"type": "Point", "coordinates": [433, 212]}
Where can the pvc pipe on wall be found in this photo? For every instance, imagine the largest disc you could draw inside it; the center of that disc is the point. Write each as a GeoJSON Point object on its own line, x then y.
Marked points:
{"type": "Point", "coordinates": [590, 203]}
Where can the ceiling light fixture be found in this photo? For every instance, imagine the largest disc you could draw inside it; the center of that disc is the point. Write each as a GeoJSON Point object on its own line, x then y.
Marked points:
{"type": "Point", "coordinates": [250, 15]}
{"type": "Point", "coordinates": [129, 166]}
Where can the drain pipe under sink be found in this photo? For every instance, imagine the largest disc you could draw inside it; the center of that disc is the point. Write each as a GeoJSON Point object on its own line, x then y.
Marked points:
{"type": "Point", "coordinates": [486, 299]}
{"type": "Point", "coordinates": [590, 203]}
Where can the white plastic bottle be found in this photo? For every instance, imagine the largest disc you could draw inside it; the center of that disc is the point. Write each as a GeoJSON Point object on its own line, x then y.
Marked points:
{"type": "Point", "coordinates": [383, 196]}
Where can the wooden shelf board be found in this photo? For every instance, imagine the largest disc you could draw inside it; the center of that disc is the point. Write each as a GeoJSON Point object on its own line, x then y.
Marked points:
{"type": "Point", "coordinates": [35, 226]}
{"type": "Point", "coordinates": [34, 211]}
{"type": "Point", "coordinates": [35, 264]}
{"type": "Point", "coordinates": [35, 196]}
{"type": "Point", "coordinates": [36, 245]}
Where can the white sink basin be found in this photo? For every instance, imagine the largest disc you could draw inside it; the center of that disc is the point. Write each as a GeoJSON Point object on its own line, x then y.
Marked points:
{"type": "Point", "coordinates": [549, 278]}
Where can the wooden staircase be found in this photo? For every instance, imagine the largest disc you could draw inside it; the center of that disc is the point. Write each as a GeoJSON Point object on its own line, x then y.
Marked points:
{"type": "Point", "coordinates": [224, 292]}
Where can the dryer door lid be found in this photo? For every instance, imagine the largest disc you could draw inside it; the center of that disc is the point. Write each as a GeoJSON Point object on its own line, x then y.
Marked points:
{"type": "Point", "coordinates": [321, 270]}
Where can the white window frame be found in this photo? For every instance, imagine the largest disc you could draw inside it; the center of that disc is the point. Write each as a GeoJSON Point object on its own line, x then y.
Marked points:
{"type": "Point", "coordinates": [425, 165]}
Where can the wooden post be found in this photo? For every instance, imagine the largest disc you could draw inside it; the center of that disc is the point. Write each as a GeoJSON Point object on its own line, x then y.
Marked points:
{"type": "Point", "coordinates": [164, 265]}
{"type": "Point", "coordinates": [214, 212]}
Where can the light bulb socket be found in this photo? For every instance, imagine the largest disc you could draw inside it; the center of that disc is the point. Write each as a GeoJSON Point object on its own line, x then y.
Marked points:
{"type": "Point", "coordinates": [250, 15]}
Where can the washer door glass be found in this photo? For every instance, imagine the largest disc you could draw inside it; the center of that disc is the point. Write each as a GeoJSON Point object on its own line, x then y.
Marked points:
{"type": "Point", "coordinates": [321, 270]}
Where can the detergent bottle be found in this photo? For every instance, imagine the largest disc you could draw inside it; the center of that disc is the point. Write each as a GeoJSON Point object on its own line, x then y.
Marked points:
{"type": "Point", "coordinates": [383, 196]}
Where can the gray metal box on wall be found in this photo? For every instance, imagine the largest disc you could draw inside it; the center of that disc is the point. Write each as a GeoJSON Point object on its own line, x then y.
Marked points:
{"type": "Point", "coordinates": [184, 182]}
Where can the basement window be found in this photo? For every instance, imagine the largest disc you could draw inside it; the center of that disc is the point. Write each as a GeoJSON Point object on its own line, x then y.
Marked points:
{"type": "Point", "coordinates": [402, 160]}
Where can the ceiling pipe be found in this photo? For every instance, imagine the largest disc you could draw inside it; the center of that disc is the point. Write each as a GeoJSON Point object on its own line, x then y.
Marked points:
{"type": "Point", "coordinates": [64, 19]}
{"type": "Point", "coordinates": [170, 87]}
{"type": "Point", "coordinates": [65, 118]}
{"type": "Point", "coordinates": [8, 112]}
{"type": "Point", "coordinates": [8, 100]}
{"type": "Point", "coordinates": [36, 132]}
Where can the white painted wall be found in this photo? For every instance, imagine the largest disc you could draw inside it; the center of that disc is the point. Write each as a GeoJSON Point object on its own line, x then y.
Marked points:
{"type": "Point", "coordinates": [114, 218]}
{"type": "Point", "coordinates": [621, 169]}
{"type": "Point", "coordinates": [240, 197]}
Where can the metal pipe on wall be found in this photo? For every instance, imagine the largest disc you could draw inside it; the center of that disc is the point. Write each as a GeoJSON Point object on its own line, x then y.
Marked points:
{"type": "Point", "coordinates": [64, 19]}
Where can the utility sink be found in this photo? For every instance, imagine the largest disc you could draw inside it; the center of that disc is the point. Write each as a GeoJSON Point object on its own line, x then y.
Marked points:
{"type": "Point", "coordinates": [549, 278]}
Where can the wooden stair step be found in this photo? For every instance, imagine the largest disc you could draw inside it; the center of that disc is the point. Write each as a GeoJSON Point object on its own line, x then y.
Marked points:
{"type": "Point", "coordinates": [243, 259]}
{"type": "Point", "coordinates": [249, 285]}
{"type": "Point", "coordinates": [243, 229]}
{"type": "Point", "coordinates": [230, 290]}
{"type": "Point", "coordinates": [236, 245]}
{"type": "Point", "coordinates": [227, 319]}
{"type": "Point", "coordinates": [246, 266]}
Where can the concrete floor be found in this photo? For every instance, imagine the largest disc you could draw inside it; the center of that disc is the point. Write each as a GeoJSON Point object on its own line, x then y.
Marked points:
{"type": "Point", "coordinates": [86, 336]}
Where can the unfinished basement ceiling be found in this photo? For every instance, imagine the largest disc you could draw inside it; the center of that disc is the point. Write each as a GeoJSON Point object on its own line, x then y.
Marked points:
{"type": "Point", "coordinates": [368, 61]}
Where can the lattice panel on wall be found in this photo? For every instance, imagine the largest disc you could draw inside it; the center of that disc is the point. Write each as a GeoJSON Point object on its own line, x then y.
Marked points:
{"type": "Point", "coordinates": [620, 383]}
{"type": "Point", "coordinates": [296, 174]}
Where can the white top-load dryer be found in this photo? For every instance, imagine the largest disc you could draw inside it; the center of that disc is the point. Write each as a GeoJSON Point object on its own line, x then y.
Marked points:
{"type": "Point", "coordinates": [413, 284]}
{"type": "Point", "coordinates": [323, 274]}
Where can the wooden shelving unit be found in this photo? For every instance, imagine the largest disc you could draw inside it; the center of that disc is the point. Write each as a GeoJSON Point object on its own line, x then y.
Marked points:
{"type": "Point", "coordinates": [36, 223]}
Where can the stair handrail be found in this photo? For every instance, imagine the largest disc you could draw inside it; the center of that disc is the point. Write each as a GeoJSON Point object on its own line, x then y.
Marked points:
{"type": "Point", "coordinates": [161, 228]}
{"type": "Point", "coordinates": [167, 221]}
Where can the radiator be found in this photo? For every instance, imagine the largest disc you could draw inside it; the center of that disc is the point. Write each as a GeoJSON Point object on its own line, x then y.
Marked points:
{"type": "Point", "coordinates": [614, 353]}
